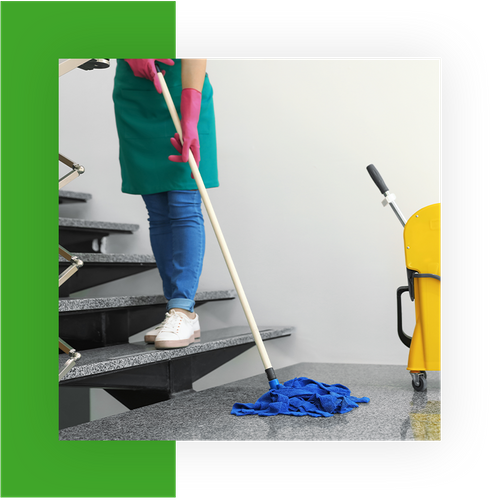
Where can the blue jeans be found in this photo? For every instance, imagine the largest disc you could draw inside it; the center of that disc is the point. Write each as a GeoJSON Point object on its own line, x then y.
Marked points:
{"type": "Point", "coordinates": [177, 234]}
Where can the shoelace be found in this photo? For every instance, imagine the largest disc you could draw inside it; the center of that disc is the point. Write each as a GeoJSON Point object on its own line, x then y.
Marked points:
{"type": "Point", "coordinates": [167, 317]}
{"type": "Point", "coordinates": [171, 319]}
{"type": "Point", "coordinates": [162, 324]}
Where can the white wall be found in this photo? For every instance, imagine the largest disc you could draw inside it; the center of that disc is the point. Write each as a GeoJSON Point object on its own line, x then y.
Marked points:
{"type": "Point", "coordinates": [313, 245]}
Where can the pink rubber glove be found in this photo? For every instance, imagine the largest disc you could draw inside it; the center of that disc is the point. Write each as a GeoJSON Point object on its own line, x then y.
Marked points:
{"type": "Point", "coordinates": [190, 114]}
{"type": "Point", "coordinates": [145, 68]}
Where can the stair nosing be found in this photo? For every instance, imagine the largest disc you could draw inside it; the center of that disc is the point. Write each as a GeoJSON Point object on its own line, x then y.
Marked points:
{"type": "Point", "coordinates": [68, 222]}
{"type": "Point", "coordinates": [106, 258]}
{"type": "Point", "coordinates": [74, 195]}
{"type": "Point", "coordinates": [153, 355]}
{"type": "Point", "coordinates": [100, 303]}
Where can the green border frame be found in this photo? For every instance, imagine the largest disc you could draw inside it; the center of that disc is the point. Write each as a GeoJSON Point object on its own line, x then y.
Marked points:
{"type": "Point", "coordinates": [34, 36]}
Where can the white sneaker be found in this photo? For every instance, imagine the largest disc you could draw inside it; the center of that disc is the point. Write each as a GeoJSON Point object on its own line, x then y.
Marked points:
{"type": "Point", "coordinates": [178, 331]}
{"type": "Point", "coordinates": [150, 336]}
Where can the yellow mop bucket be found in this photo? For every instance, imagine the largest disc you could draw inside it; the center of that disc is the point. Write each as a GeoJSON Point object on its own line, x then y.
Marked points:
{"type": "Point", "coordinates": [422, 237]}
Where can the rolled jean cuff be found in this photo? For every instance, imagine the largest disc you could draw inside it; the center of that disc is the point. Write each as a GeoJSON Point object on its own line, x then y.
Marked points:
{"type": "Point", "coordinates": [180, 303]}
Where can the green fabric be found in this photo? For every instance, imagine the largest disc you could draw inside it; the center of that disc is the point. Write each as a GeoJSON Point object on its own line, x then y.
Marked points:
{"type": "Point", "coordinates": [144, 130]}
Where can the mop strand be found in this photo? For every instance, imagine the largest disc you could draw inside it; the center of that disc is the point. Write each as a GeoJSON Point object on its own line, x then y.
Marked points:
{"type": "Point", "coordinates": [302, 396]}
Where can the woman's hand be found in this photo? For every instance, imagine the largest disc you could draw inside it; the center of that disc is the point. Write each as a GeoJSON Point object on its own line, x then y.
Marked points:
{"type": "Point", "coordinates": [145, 68]}
{"type": "Point", "coordinates": [190, 113]}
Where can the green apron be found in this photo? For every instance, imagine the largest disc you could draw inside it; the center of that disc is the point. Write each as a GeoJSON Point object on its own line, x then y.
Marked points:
{"type": "Point", "coordinates": [144, 130]}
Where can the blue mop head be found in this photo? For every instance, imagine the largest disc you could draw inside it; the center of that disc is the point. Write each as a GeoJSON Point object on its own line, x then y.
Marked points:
{"type": "Point", "coordinates": [302, 396]}
{"type": "Point", "coordinates": [274, 383]}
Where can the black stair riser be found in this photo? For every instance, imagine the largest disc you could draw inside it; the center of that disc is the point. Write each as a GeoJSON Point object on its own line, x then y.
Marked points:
{"type": "Point", "coordinates": [147, 384]}
{"type": "Point", "coordinates": [99, 328]}
{"type": "Point", "coordinates": [137, 398]}
{"type": "Point", "coordinates": [73, 197]}
{"type": "Point", "coordinates": [63, 200]}
{"type": "Point", "coordinates": [93, 274]}
{"type": "Point", "coordinates": [104, 327]}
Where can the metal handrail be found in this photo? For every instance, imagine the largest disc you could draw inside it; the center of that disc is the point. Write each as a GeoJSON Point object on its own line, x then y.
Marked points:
{"type": "Point", "coordinates": [76, 171]}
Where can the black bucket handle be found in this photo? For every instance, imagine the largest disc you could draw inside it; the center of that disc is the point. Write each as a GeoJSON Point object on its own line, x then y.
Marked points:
{"type": "Point", "coordinates": [402, 335]}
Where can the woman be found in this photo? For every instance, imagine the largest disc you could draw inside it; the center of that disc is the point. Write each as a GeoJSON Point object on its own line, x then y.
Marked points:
{"type": "Point", "coordinates": [152, 167]}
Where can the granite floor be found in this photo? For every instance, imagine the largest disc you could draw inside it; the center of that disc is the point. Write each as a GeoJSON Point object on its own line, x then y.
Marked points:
{"type": "Point", "coordinates": [395, 411]}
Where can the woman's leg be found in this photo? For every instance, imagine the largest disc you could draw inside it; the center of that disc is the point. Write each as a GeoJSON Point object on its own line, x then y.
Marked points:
{"type": "Point", "coordinates": [160, 233]}
{"type": "Point", "coordinates": [188, 247]}
{"type": "Point", "coordinates": [177, 235]}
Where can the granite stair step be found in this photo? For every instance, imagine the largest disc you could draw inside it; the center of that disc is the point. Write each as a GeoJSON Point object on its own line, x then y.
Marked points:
{"type": "Point", "coordinates": [99, 268]}
{"type": "Point", "coordinates": [80, 235]}
{"type": "Point", "coordinates": [137, 374]}
{"type": "Point", "coordinates": [87, 323]}
{"type": "Point", "coordinates": [395, 411]}
{"type": "Point", "coordinates": [66, 197]}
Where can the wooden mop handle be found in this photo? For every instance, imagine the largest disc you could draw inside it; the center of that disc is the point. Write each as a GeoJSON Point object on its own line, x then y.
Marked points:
{"type": "Point", "coordinates": [218, 233]}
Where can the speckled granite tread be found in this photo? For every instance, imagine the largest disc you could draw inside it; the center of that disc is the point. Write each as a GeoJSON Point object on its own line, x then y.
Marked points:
{"type": "Point", "coordinates": [106, 258]}
{"type": "Point", "coordinates": [107, 359]}
{"type": "Point", "coordinates": [83, 304]}
{"type": "Point", "coordinates": [74, 194]}
{"type": "Point", "coordinates": [91, 224]}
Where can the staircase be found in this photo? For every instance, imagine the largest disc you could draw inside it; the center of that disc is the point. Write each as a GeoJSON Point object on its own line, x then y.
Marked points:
{"type": "Point", "coordinates": [100, 328]}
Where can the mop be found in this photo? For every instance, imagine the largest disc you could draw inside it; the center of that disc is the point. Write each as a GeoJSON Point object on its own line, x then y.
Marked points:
{"type": "Point", "coordinates": [300, 396]}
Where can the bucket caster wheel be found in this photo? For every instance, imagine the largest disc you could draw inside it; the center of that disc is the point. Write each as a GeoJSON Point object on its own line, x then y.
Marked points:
{"type": "Point", "coordinates": [419, 381]}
